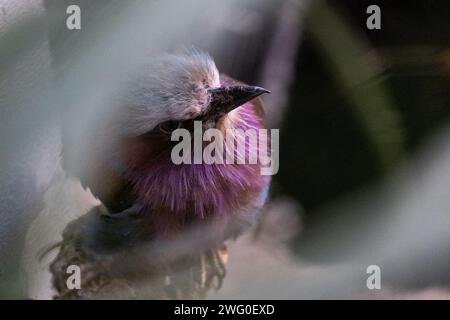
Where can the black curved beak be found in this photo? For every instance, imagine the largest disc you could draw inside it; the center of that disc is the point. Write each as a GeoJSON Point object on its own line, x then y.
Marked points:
{"type": "Point", "coordinates": [226, 99]}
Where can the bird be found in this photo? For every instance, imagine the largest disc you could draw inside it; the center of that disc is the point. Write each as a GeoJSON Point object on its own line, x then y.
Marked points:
{"type": "Point", "coordinates": [126, 163]}
{"type": "Point", "coordinates": [129, 165]}
{"type": "Point", "coordinates": [126, 159]}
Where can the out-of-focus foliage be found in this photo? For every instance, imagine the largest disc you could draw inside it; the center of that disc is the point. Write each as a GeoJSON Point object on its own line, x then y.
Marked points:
{"type": "Point", "coordinates": [361, 103]}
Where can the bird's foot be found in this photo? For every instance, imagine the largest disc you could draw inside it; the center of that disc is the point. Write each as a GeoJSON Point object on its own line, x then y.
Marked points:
{"type": "Point", "coordinates": [205, 272]}
{"type": "Point", "coordinates": [212, 267]}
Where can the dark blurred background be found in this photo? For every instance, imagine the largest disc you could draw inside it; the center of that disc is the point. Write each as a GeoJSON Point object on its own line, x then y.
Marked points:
{"type": "Point", "coordinates": [409, 57]}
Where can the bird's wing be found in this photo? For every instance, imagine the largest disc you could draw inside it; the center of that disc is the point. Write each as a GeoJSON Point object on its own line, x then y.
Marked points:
{"type": "Point", "coordinates": [85, 158]}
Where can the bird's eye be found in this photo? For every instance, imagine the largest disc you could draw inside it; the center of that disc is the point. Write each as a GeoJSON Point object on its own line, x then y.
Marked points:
{"type": "Point", "coordinates": [169, 126]}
